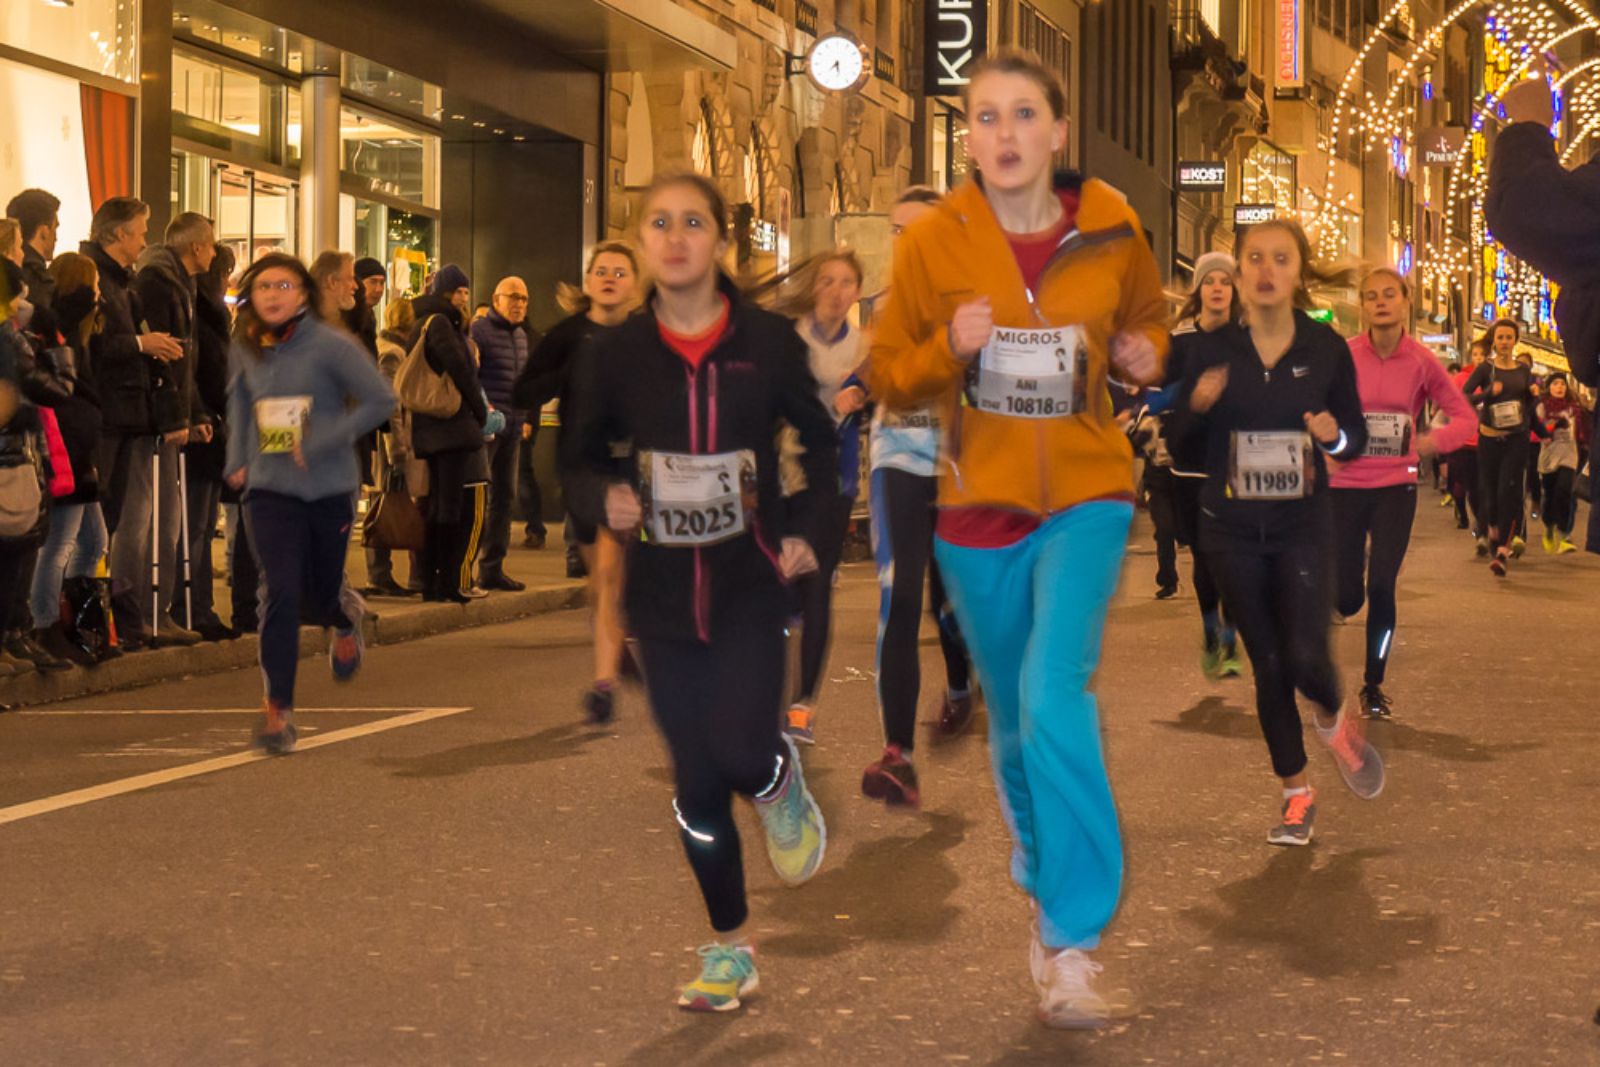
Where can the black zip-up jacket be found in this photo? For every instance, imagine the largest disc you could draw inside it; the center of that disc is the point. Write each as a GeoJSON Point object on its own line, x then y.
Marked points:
{"type": "Point", "coordinates": [630, 386]}
{"type": "Point", "coordinates": [447, 353]}
{"type": "Point", "coordinates": [1315, 374]}
{"type": "Point", "coordinates": [548, 373]}
{"type": "Point", "coordinates": [1516, 385]}
{"type": "Point", "coordinates": [36, 272]}
{"type": "Point", "coordinates": [167, 293]}
{"type": "Point", "coordinates": [139, 394]}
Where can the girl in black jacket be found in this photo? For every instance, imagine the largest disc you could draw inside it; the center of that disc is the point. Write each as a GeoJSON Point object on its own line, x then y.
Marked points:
{"type": "Point", "coordinates": [697, 385]}
{"type": "Point", "coordinates": [1270, 404]}
{"type": "Point", "coordinates": [458, 470]}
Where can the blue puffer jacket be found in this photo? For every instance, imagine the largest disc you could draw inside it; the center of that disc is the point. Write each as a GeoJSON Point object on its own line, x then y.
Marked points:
{"type": "Point", "coordinates": [502, 353]}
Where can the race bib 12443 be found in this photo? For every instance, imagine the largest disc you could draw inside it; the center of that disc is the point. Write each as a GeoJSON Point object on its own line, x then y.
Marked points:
{"type": "Point", "coordinates": [281, 422]}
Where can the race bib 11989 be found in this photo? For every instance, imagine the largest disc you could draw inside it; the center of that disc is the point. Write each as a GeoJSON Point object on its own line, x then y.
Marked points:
{"type": "Point", "coordinates": [1270, 465]}
{"type": "Point", "coordinates": [1033, 373]}
{"type": "Point", "coordinates": [693, 501]}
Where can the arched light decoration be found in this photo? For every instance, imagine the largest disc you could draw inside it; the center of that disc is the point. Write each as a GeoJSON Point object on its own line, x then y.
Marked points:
{"type": "Point", "coordinates": [1518, 31]}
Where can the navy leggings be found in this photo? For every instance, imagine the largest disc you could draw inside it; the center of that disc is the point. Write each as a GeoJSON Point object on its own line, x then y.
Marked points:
{"type": "Point", "coordinates": [1372, 529]}
{"type": "Point", "coordinates": [300, 546]}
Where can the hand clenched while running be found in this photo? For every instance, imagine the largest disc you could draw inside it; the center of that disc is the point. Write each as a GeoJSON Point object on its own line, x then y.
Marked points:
{"type": "Point", "coordinates": [1135, 356]}
{"type": "Point", "coordinates": [796, 558]}
{"type": "Point", "coordinates": [623, 511]}
{"type": "Point", "coordinates": [1208, 390]}
{"type": "Point", "coordinates": [1323, 426]}
{"type": "Point", "coordinates": [970, 328]}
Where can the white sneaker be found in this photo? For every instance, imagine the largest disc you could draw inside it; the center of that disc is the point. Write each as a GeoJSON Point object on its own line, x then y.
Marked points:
{"type": "Point", "coordinates": [1065, 1000]}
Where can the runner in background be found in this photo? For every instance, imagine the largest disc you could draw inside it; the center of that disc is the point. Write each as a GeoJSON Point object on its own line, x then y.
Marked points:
{"type": "Point", "coordinates": [1272, 402]}
{"type": "Point", "coordinates": [1564, 419]}
{"type": "Point", "coordinates": [1375, 495]}
{"type": "Point", "coordinates": [1463, 464]}
{"type": "Point", "coordinates": [696, 384]}
{"type": "Point", "coordinates": [1501, 387]}
{"type": "Point", "coordinates": [1011, 305]}
{"type": "Point", "coordinates": [905, 448]}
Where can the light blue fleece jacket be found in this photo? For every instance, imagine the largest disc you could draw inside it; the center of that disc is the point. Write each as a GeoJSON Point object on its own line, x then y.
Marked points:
{"type": "Point", "coordinates": [348, 396]}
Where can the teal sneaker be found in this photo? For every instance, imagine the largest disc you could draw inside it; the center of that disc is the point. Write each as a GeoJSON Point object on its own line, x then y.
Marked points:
{"type": "Point", "coordinates": [728, 973]}
{"type": "Point", "coordinates": [797, 837]}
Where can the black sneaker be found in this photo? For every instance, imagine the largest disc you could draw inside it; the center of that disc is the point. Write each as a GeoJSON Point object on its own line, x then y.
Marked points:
{"type": "Point", "coordinates": [956, 715]}
{"type": "Point", "coordinates": [1374, 704]}
{"type": "Point", "coordinates": [24, 647]}
{"type": "Point", "coordinates": [502, 582]}
{"type": "Point", "coordinates": [575, 567]}
{"type": "Point", "coordinates": [599, 706]}
{"type": "Point", "coordinates": [1166, 592]}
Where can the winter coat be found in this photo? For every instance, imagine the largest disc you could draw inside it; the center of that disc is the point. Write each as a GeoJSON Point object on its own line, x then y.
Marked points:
{"type": "Point", "coordinates": [169, 295]}
{"type": "Point", "coordinates": [447, 353]}
{"type": "Point", "coordinates": [36, 272]}
{"type": "Point", "coordinates": [503, 353]}
{"type": "Point", "coordinates": [212, 338]}
{"type": "Point", "coordinates": [56, 384]}
{"type": "Point", "coordinates": [139, 394]}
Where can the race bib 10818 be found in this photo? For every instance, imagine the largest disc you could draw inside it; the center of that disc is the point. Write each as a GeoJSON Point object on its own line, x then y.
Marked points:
{"type": "Point", "coordinates": [1033, 373]}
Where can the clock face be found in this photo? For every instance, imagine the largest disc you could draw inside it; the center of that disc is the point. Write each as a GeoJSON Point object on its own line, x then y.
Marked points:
{"type": "Point", "coordinates": [836, 63]}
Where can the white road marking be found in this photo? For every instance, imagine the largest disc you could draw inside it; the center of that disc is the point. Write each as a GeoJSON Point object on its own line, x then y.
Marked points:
{"type": "Point", "coordinates": [44, 806]}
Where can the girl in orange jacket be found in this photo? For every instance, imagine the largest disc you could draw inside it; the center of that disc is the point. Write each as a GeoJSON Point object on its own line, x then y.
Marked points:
{"type": "Point", "coordinates": [1013, 304]}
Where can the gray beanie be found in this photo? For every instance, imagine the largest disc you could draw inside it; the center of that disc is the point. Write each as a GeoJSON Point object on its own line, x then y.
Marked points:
{"type": "Point", "coordinates": [1209, 262]}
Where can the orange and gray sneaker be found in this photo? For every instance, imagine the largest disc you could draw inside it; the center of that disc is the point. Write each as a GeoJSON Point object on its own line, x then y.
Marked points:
{"type": "Point", "coordinates": [892, 779]}
{"type": "Point", "coordinates": [1359, 763]}
{"type": "Point", "coordinates": [1299, 813]}
{"type": "Point", "coordinates": [275, 733]}
{"type": "Point", "coordinates": [800, 723]}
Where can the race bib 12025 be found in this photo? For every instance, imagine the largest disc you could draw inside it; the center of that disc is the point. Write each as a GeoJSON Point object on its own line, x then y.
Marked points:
{"type": "Point", "coordinates": [693, 501]}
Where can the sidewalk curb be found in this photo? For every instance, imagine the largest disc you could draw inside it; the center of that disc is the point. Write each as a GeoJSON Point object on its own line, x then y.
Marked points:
{"type": "Point", "coordinates": [381, 627]}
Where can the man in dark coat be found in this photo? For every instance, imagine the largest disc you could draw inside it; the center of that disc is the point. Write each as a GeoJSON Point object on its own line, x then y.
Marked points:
{"type": "Point", "coordinates": [1549, 216]}
{"type": "Point", "coordinates": [146, 414]}
{"type": "Point", "coordinates": [38, 212]}
{"type": "Point", "coordinates": [502, 355]}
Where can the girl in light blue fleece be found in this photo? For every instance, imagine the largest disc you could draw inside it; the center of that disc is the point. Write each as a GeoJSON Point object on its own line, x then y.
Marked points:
{"type": "Point", "coordinates": [302, 393]}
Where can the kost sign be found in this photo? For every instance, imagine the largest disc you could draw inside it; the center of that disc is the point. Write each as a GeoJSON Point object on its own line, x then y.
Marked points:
{"type": "Point", "coordinates": [1251, 214]}
{"type": "Point", "coordinates": [1202, 177]}
{"type": "Point", "coordinates": [957, 36]}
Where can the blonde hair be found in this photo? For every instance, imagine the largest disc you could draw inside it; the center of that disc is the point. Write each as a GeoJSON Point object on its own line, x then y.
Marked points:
{"type": "Point", "coordinates": [10, 237]}
{"type": "Point", "coordinates": [1388, 272]}
{"type": "Point", "coordinates": [1312, 275]}
{"type": "Point", "coordinates": [571, 298]}
{"type": "Point", "coordinates": [399, 316]}
{"type": "Point", "coordinates": [795, 294]}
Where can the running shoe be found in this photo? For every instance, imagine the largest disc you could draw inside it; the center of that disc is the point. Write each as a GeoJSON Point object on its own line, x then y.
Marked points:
{"type": "Point", "coordinates": [1359, 763]}
{"type": "Point", "coordinates": [1066, 999]}
{"type": "Point", "coordinates": [956, 714]}
{"type": "Point", "coordinates": [1166, 592]}
{"type": "Point", "coordinates": [1211, 661]}
{"type": "Point", "coordinates": [797, 837]}
{"type": "Point", "coordinates": [1231, 667]}
{"type": "Point", "coordinates": [801, 724]}
{"type": "Point", "coordinates": [728, 973]}
{"type": "Point", "coordinates": [1550, 542]}
{"type": "Point", "coordinates": [344, 653]}
{"type": "Point", "coordinates": [600, 705]}
{"type": "Point", "coordinates": [892, 779]}
{"type": "Point", "coordinates": [1482, 547]}
{"type": "Point", "coordinates": [1375, 703]}
{"type": "Point", "coordinates": [275, 733]}
{"type": "Point", "coordinates": [1497, 566]}
{"type": "Point", "coordinates": [1518, 547]}
{"type": "Point", "coordinates": [1447, 501]}
{"type": "Point", "coordinates": [1565, 546]}
{"type": "Point", "coordinates": [1299, 813]}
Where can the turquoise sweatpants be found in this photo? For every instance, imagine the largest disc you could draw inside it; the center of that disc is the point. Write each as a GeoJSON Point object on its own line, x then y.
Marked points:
{"type": "Point", "coordinates": [1033, 613]}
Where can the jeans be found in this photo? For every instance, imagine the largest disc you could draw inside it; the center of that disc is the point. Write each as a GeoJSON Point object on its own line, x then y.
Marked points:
{"type": "Point", "coordinates": [1033, 614]}
{"type": "Point", "coordinates": [128, 459]}
{"type": "Point", "coordinates": [301, 547]}
{"type": "Point", "coordinates": [504, 452]}
{"type": "Point", "coordinates": [72, 549]}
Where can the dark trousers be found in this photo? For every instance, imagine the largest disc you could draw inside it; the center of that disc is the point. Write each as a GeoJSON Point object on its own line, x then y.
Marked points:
{"type": "Point", "coordinates": [815, 592]}
{"type": "Point", "coordinates": [1280, 601]}
{"type": "Point", "coordinates": [1534, 482]}
{"type": "Point", "coordinates": [300, 546]}
{"type": "Point", "coordinates": [1464, 488]}
{"type": "Point", "coordinates": [1502, 469]}
{"type": "Point", "coordinates": [530, 502]}
{"type": "Point", "coordinates": [903, 517]}
{"type": "Point", "coordinates": [1207, 590]}
{"type": "Point", "coordinates": [1560, 501]}
{"type": "Point", "coordinates": [245, 575]}
{"type": "Point", "coordinates": [1381, 518]}
{"type": "Point", "coordinates": [205, 500]}
{"type": "Point", "coordinates": [1161, 492]}
{"type": "Point", "coordinates": [504, 452]}
{"type": "Point", "coordinates": [718, 706]}
{"type": "Point", "coordinates": [449, 549]}
{"type": "Point", "coordinates": [16, 573]}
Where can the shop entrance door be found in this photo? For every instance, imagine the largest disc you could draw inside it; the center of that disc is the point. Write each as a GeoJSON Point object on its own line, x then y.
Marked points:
{"type": "Point", "coordinates": [255, 212]}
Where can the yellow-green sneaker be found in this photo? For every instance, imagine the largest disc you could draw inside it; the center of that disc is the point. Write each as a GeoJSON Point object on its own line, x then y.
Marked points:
{"type": "Point", "coordinates": [796, 835]}
{"type": "Point", "coordinates": [728, 973]}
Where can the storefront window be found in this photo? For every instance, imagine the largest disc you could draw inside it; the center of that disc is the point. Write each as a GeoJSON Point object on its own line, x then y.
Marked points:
{"type": "Point", "coordinates": [389, 159]}
{"type": "Point", "coordinates": [1267, 177]}
{"type": "Point", "coordinates": [245, 35]}
{"type": "Point", "coordinates": [101, 36]}
{"type": "Point", "coordinates": [233, 109]}
{"type": "Point", "coordinates": [392, 89]}
{"type": "Point", "coordinates": [950, 162]}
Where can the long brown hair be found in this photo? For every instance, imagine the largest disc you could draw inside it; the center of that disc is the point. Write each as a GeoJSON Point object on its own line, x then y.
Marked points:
{"type": "Point", "coordinates": [571, 298]}
{"type": "Point", "coordinates": [795, 293]}
{"type": "Point", "coordinates": [73, 272]}
{"type": "Point", "coordinates": [1312, 275]}
{"type": "Point", "coordinates": [248, 329]}
{"type": "Point", "coordinates": [1190, 312]}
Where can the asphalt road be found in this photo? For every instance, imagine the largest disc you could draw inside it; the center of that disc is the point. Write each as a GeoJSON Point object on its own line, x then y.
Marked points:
{"type": "Point", "coordinates": [501, 884]}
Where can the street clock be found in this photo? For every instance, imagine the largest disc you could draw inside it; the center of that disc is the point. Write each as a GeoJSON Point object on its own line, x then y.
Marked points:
{"type": "Point", "coordinates": [837, 63]}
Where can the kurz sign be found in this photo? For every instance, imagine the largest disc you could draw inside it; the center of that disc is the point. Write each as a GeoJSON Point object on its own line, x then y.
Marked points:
{"type": "Point", "coordinates": [957, 36]}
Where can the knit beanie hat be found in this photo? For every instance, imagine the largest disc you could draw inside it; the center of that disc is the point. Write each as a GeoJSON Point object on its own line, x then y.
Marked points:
{"type": "Point", "coordinates": [1209, 262]}
{"type": "Point", "coordinates": [367, 267]}
{"type": "Point", "coordinates": [448, 280]}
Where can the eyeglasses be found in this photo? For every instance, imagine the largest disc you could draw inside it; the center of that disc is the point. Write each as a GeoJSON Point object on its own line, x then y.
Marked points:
{"type": "Point", "coordinates": [512, 298]}
{"type": "Point", "coordinates": [275, 287]}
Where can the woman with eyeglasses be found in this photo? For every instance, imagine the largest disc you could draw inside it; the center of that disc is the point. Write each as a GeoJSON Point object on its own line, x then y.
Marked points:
{"type": "Point", "coordinates": [609, 293]}
{"type": "Point", "coordinates": [302, 393]}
